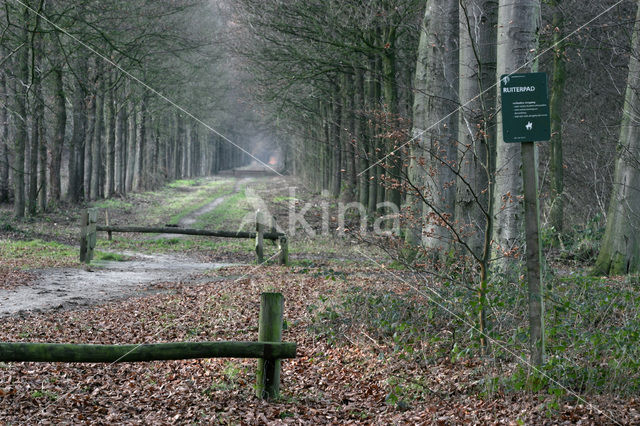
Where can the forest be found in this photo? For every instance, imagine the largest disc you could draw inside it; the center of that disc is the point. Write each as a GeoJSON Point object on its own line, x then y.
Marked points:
{"type": "Point", "coordinates": [433, 270]}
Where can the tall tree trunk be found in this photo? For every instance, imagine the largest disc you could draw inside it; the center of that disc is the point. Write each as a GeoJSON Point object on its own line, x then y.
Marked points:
{"type": "Point", "coordinates": [374, 169]}
{"type": "Point", "coordinates": [88, 144]}
{"type": "Point", "coordinates": [110, 128]}
{"type": "Point", "coordinates": [351, 180]}
{"type": "Point", "coordinates": [37, 129]}
{"type": "Point", "coordinates": [360, 138]}
{"type": "Point", "coordinates": [476, 131]}
{"type": "Point", "coordinates": [120, 150]}
{"type": "Point", "coordinates": [390, 91]}
{"type": "Point", "coordinates": [556, 214]}
{"type": "Point", "coordinates": [142, 150]}
{"type": "Point", "coordinates": [419, 154]}
{"type": "Point", "coordinates": [96, 150]}
{"type": "Point", "coordinates": [518, 24]}
{"type": "Point", "coordinates": [21, 136]}
{"type": "Point", "coordinates": [60, 123]}
{"type": "Point", "coordinates": [620, 250]}
{"type": "Point", "coordinates": [336, 143]}
{"type": "Point", "coordinates": [76, 145]}
{"type": "Point", "coordinates": [133, 143]}
{"type": "Point", "coordinates": [439, 129]}
{"type": "Point", "coordinates": [4, 137]}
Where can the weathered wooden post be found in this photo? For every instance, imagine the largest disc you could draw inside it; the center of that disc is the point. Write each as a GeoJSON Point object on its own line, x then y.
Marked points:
{"type": "Point", "coordinates": [88, 234]}
{"type": "Point", "coordinates": [270, 330]}
{"type": "Point", "coordinates": [84, 244]}
{"type": "Point", "coordinates": [259, 236]}
{"type": "Point", "coordinates": [106, 221]}
{"type": "Point", "coordinates": [283, 246]}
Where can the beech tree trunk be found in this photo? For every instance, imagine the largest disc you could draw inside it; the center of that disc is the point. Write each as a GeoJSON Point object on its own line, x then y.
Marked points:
{"type": "Point", "coordinates": [336, 118]}
{"type": "Point", "coordinates": [120, 150]}
{"type": "Point", "coordinates": [142, 150]}
{"type": "Point", "coordinates": [96, 150]}
{"type": "Point", "coordinates": [393, 162]}
{"type": "Point", "coordinates": [4, 138]}
{"type": "Point", "coordinates": [518, 24]}
{"type": "Point", "coordinates": [440, 121]}
{"type": "Point", "coordinates": [60, 114]}
{"type": "Point", "coordinates": [133, 143]}
{"type": "Point", "coordinates": [76, 145]}
{"type": "Point", "coordinates": [110, 128]}
{"type": "Point", "coordinates": [620, 250]}
{"type": "Point", "coordinates": [476, 128]}
{"type": "Point", "coordinates": [21, 137]}
{"type": "Point", "coordinates": [556, 213]}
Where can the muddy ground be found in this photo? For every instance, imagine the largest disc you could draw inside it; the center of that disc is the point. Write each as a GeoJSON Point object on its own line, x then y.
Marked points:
{"type": "Point", "coordinates": [73, 288]}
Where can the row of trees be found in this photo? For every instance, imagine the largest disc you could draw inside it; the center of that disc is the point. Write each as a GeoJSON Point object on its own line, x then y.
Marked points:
{"type": "Point", "coordinates": [396, 101]}
{"type": "Point", "coordinates": [80, 113]}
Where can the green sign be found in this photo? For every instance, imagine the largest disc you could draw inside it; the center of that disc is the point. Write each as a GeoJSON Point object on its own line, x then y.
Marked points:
{"type": "Point", "coordinates": [525, 107]}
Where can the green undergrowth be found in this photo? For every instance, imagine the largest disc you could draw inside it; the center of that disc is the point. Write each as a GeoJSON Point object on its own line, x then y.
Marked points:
{"type": "Point", "coordinates": [166, 205]}
{"type": "Point", "coordinates": [115, 257]}
{"type": "Point", "coordinates": [234, 212]}
{"type": "Point", "coordinates": [37, 254]}
{"type": "Point", "coordinates": [592, 331]}
{"type": "Point", "coordinates": [179, 205]}
{"type": "Point", "coordinates": [113, 203]}
{"type": "Point", "coordinates": [186, 244]}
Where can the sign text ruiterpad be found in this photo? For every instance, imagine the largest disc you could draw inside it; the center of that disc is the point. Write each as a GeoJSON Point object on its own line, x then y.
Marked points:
{"type": "Point", "coordinates": [525, 107]}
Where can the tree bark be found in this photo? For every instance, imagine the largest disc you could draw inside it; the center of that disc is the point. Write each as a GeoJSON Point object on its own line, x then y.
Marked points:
{"type": "Point", "coordinates": [37, 123]}
{"type": "Point", "coordinates": [132, 145]}
{"type": "Point", "coordinates": [439, 128]}
{"type": "Point", "coordinates": [60, 123]}
{"type": "Point", "coordinates": [556, 213]}
{"type": "Point", "coordinates": [96, 150]}
{"type": "Point", "coordinates": [518, 24]}
{"type": "Point", "coordinates": [21, 136]}
{"type": "Point", "coordinates": [393, 161]}
{"type": "Point", "coordinates": [142, 150]}
{"type": "Point", "coordinates": [476, 128]}
{"type": "Point", "coordinates": [4, 137]}
{"type": "Point", "coordinates": [120, 150]}
{"type": "Point", "coordinates": [77, 143]}
{"type": "Point", "coordinates": [336, 143]}
{"type": "Point", "coordinates": [620, 250]}
{"type": "Point", "coordinates": [110, 128]}
{"type": "Point", "coordinates": [360, 138]}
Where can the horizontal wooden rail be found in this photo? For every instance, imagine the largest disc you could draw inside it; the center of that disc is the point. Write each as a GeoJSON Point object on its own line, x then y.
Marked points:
{"type": "Point", "coordinates": [186, 231]}
{"type": "Point", "coordinates": [62, 352]}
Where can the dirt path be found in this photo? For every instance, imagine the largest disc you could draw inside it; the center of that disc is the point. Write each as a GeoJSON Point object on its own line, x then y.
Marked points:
{"type": "Point", "coordinates": [192, 217]}
{"type": "Point", "coordinates": [68, 288]}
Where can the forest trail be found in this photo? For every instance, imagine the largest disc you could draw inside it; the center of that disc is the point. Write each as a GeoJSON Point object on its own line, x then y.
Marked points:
{"type": "Point", "coordinates": [72, 288]}
{"type": "Point", "coordinates": [192, 217]}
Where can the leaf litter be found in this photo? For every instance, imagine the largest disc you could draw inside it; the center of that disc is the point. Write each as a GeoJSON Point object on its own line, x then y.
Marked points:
{"type": "Point", "coordinates": [328, 383]}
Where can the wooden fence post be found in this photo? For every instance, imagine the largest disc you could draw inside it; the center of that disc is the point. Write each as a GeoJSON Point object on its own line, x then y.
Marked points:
{"type": "Point", "coordinates": [91, 233]}
{"type": "Point", "coordinates": [259, 236]}
{"type": "Point", "coordinates": [107, 222]}
{"type": "Point", "coordinates": [88, 234]}
{"type": "Point", "coordinates": [270, 330]}
{"type": "Point", "coordinates": [84, 244]}
{"type": "Point", "coordinates": [283, 246]}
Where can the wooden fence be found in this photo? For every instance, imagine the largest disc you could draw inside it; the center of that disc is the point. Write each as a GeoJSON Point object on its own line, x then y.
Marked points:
{"type": "Point", "coordinates": [269, 349]}
{"type": "Point", "coordinates": [89, 229]}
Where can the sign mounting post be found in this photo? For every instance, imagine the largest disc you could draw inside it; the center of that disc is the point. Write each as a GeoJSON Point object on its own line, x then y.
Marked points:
{"type": "Point", "coordinates": [526, 119]}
